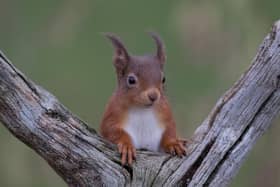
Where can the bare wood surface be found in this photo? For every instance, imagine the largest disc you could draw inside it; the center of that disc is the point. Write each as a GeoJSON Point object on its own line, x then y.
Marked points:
{"type": "Point", "coordinates": [82, 158]}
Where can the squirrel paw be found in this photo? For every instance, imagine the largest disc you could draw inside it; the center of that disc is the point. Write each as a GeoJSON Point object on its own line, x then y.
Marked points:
{"type": "Point", "coordinates": [177, 147]}
{"type": "Point", "coordinates": [127, 151]}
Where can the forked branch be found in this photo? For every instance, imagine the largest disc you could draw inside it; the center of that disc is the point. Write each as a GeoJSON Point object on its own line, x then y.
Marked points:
{"type": "Point", "coordinates": [82, 158]}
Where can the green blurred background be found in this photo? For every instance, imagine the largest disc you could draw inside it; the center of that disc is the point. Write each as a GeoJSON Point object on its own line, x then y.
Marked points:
{"type": "Point", "coordinates": [59, 45]}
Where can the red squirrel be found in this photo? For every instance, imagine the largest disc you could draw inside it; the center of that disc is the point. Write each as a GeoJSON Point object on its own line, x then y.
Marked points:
{"type": "Point", "coordinates": [138, 115]}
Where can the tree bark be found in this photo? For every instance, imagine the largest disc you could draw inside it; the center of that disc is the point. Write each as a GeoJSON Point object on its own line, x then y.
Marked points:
{"type": "Point", "coordinates": [82, 158]}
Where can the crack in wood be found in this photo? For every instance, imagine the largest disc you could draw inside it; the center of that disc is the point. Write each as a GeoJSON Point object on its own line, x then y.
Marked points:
{"type": "Point", "coordinates": [238, 141]}
{"type": "Point", "coordinates": [161, 167]}
{"type": "Point", "coordinates": [56, 115]}
{"type": "Point", "coordinates": [192, 170]}
{"type": "Point", "coordinates": [23, 78]}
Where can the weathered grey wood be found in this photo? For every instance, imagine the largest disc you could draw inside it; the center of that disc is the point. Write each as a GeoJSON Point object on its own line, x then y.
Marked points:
{"type": "Point", "coordinates": [82, 158]}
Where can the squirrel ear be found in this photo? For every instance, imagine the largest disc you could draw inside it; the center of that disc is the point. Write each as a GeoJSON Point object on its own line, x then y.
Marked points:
{"type": "Point", "coordinates": [121, 55]}
{"type": "Point", "coordinates": [160, 47]}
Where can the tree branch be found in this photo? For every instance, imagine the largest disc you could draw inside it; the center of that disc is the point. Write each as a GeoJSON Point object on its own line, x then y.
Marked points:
{"type": "Point", "coordinates": [82, 158]}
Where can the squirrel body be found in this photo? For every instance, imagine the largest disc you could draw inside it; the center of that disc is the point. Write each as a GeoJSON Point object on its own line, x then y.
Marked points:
{"type": "Point", "coordinates": [138, 115]}
{"type": "Point", "coordinates": [144, 128]}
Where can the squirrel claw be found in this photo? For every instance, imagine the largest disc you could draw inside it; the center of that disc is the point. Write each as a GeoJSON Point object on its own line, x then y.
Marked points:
{"type": "Point", "coordinates": [128, 153]}
{"type": "Point", "coordinates": [176, 148]}
{"type": "Point", "coordinates": [183, 141]}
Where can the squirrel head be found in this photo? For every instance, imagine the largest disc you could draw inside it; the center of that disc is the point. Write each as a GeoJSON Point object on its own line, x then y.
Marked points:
{"type": "Point", "coordinates": [140, 78]}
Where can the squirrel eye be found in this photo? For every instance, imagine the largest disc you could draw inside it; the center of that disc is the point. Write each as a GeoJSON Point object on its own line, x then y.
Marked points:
{"type": "Point", "coordinates": [163, 80]}
{"type": "Point", "coordinates": [131, 80]}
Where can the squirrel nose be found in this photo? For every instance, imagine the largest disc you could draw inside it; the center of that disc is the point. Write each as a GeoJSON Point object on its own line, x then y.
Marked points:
{"type": "Point", "coordinates": [153, 96]}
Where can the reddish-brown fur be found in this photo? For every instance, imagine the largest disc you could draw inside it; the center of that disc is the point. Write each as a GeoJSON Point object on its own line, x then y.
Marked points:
{"type": "Point", "coordinates": [149, 73]}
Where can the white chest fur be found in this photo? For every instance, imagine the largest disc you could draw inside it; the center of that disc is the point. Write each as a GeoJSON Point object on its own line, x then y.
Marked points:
{"type": "Point", "coordinates": [144, 128]}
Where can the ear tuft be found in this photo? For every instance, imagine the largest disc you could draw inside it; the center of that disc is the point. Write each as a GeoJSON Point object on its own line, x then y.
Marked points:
{"type": "Point", "coordinates": [160, 47]}
{"type": "Point", "coordinates": [120, 50]}
{"type": "Point", "coordinates": [121, 57]}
